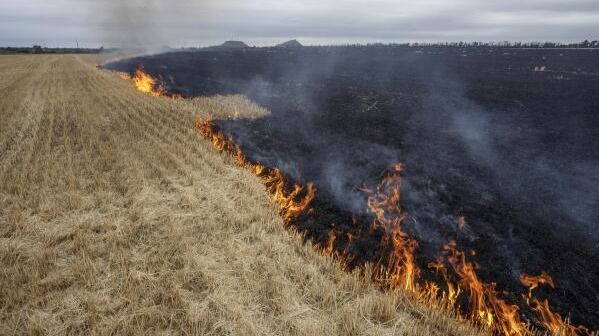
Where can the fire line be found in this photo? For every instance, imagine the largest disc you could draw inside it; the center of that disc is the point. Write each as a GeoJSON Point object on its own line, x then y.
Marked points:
{"type": "Point", "coordinates": [397, 268]}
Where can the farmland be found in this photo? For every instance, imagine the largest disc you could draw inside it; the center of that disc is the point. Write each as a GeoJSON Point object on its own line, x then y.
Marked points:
{"type": "Point", "coordinates": [117, 218]}
{"type": "Point", "coordinates": [498, 146]}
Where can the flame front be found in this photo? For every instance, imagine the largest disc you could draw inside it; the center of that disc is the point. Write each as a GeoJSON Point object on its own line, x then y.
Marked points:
{"type": "Point", "coordinates": [396, 267]}
{"type": "Point", "coordinates": [399, 270]}
{"type": "Point", "coordinates": [292, 199]}
{"type": "Point", "coordinates": [552, 321]}
{"type": "Point", "coordinates": [145, 83]}
{"type": "Point", "coordinates": [484, 304]}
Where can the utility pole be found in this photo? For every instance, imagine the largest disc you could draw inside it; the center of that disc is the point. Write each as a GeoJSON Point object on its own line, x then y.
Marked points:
{"type": "Point", "coordinates": [77, 42]}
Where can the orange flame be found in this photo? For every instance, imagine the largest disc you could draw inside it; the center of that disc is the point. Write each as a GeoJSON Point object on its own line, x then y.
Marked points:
{"type": "Point", "coordinates": [485, 306]}
{"type": "Point", "coordinates": [292, 200]}
{"type": "Point", "coordinates": [397, 268]}
{"type": "Point", "coordinates": [552, 321]}
{"type": "Point", "coordinates": [448, 298]}
{"type": "Point", "coordinates": [145, 83]}
{"type": "Point", "coordinates": [533, 282]}
{"type": "Point", "coordinates": [330, 247]}
{"type": "Point", "coordinates": [400, 270]}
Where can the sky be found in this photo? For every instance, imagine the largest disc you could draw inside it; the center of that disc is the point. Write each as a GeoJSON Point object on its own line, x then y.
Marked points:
{"type": "Point", "coordinates": [177, 23]}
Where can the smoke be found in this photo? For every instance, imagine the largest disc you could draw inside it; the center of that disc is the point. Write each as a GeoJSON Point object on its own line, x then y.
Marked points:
{"type": "Point", "coordinates": [147, 24]}
{"type": "Point", "coordinates": [489, 156]}
{"type": "Point", "coordinates": [554, 181]}
{"type": "Point", "coordinates": [518, 161]}
{"type": "Point", "coordinates": [132, 24]}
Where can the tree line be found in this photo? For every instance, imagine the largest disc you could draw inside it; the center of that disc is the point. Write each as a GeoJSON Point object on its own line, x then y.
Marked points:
{"type": "Point", "coordinates": [37, 49]}
{"type": "Point", "coordinates": [502, 44]}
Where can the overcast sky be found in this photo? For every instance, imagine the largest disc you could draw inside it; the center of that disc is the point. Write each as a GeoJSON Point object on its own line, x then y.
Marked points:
{"type": "Point", "coordinates": [191, 23]}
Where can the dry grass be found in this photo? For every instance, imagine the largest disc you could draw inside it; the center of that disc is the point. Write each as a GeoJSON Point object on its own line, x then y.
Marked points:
{"type": "Point", "coordinates": [117, 218]}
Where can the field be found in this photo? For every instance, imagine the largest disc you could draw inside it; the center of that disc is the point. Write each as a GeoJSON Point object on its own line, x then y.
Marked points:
{"type": "Point", "coordinates": [498, 146]}
{"type": "Point", "coordinates": [117, 218]}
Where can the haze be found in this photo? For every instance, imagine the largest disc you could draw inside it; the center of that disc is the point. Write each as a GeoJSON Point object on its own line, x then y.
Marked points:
{"type": "Point", "coordinates": [198, 23]}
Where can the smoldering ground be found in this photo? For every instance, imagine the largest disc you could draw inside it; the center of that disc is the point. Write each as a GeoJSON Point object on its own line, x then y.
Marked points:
{"type": "Point", "coordinates": [481, 135]}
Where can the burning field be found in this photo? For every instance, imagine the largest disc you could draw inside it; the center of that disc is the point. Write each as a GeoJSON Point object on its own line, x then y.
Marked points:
{"type": "Point", "coordinates": [117, 218]}
{"type": "Point", "coordinates": [464, 178]}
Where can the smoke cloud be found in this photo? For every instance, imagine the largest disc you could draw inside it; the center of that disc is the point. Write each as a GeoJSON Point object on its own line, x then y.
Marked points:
{"type": "Point", "coordinates": [133, 23]}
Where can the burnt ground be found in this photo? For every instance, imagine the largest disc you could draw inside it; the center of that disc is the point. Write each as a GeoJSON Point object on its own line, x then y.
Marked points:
{"type": "Point", "coordinates": [508, 138]}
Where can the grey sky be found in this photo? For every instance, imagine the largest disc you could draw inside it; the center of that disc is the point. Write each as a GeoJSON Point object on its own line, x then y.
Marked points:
{"type": "Point", "coordinates": [204, 22]}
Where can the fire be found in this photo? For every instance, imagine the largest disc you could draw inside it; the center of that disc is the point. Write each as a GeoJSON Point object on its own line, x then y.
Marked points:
{"type": "Point", "coordinates": [448, 298]}
{"type": "Point", "coordinates": [429, 294]}
{"type": "Point", "coordinates": [533, 282]}
{"type": "Point", "coordinates": [330, 247]}
{"type": "Point", "coordinates": [293, 200]}
{"type": "Point", "coordinates": [485, 306]}
{"type": "Point", "coordinates": [400, 269]}
{"type": "Point", "coordinates": [397, 268]}
{"type": "Point", "coordinates": [145, 83]}
{"type": "Point", "coordinates": [552, 321]}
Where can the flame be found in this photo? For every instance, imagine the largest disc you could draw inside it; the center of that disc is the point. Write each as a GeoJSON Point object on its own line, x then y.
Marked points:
{"type": "Point", "coordinates": [552, 321]}
{"type": "Point", "coordinates": [145, 83]}
{"type": "Point", "coordinates": [485, 306]}
{"type": "Point", "coordinates": [533, 282]}
{"type": "Point", "coordinates": [330, 247]}
{"type": "Point", "coordinates": [448, 298]}
{"type": "Point", "coordinates": [400, 269]}
{"type": "Point", "coordinates": [397, 268]}
{"type": "Point", "coordinates": [293, 200]}
{"type": "Point", "coordinates": [429, 294]}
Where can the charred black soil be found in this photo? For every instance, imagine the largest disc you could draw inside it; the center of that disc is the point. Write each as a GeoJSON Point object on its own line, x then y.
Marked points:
{"type": "Point", "coordinates": [507, 138]}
